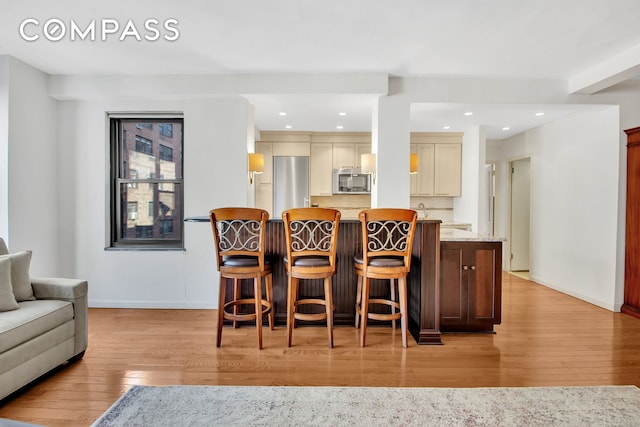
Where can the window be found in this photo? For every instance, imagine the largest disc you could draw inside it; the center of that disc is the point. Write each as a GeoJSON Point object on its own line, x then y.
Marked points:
{"type": "Point", "coordinates": [166, 129]}
{"type": "Point", "coordinates": [133, 174]}
{"type": "Point", "coordinates": [166, 153]}
{"type": "Point", "coordinates": [132, 211]}
{"type": "Point", "coordinates": [134, 162]}
{"type": "Point", "coordinates": [144, 145]}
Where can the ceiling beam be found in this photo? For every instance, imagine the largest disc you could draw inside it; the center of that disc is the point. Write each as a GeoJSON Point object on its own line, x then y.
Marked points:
{"type": "Point", "coordinates": [614, 70]}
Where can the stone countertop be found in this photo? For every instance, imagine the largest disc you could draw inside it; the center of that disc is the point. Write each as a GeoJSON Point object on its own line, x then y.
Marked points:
{"type": "Point", "coordinates": [446, 234]}
{"type": "Point", "coordinates": [457, 235]}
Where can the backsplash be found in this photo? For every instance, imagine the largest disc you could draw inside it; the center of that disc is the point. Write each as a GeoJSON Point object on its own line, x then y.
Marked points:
{"type": "Point", "coordinates": [350, 204]}
{"type": "Point", "coordinates": [435, 207]}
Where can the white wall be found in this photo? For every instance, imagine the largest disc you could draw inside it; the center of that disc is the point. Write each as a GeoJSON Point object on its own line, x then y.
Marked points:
{"type": "Point", "coordinates": [574, 191]}
{"type": "Point", "coordinates": [467, 207]}
{"type": "Point", "coordinates": [4, 146]}
{"type": "Point", "coordinates": [29, 165]}
{"type": "Point", "coordinates": [390, 140]}
{"type": "Point", "coordinates": [215, 174]}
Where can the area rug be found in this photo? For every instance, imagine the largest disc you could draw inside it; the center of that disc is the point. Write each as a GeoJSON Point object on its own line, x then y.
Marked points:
{"type": "Point", "coordinates": [372, 406]}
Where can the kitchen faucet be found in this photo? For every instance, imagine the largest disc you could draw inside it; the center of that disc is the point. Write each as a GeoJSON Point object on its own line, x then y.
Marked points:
{"type": "Point", "coordinates": [424, 210]}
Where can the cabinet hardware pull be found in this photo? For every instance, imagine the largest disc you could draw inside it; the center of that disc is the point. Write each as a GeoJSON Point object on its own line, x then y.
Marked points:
{"type": "Point", "coordinates": [473, 267]}
{"type": "Point", "coordinates": [464, 267]}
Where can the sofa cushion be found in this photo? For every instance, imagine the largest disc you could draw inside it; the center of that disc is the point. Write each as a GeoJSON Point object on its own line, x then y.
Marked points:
{"type": "Point", "coordinates": [7, 300]}
{"type": "Point", "coordinates": [32, 319]}
{"type": "Point", "coordinates": [20, 279]}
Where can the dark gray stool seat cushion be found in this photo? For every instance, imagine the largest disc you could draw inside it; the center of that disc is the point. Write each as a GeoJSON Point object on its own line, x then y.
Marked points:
{"type": "Point", "coordinates": [381, 261]}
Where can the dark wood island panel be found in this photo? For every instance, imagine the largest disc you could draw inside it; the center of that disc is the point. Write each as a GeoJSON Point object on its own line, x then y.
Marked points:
{"type": "Point", "coordinates": [422, 285]}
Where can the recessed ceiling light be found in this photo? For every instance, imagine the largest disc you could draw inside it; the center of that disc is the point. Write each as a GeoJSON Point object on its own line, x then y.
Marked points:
{"type": "Point", "coordinates": [339, 127]}
{"type": "Point", "coordinates": [446, 127]}
{"type": "Point", "coordinates": [469, 113]}
{"type": "Point", "coordinates": [506, 128]}
{"type": "Point", "coordinates": [288, 126]}
{"type": "Point", "coordinates": [342, 114]}
{"type": "Point", "coordinates": [539, 114]}
{"type": "Point", "coordinates": [282, 113]}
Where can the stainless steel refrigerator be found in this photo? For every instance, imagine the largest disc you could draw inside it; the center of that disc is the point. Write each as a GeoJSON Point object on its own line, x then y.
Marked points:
{"type": "Point", "coordinates": [290, 183]}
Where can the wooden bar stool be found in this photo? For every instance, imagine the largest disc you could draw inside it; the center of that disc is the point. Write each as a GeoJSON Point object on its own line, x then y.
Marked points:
{"type": "Point", "coordinates": [311, 236]}
{"type": "Point", "coordinates": [239, 235]}
{"type": "Point", "coordinates": [387, 239]}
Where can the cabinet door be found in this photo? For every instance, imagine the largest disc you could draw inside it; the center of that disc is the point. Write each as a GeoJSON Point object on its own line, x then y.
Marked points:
{"type": "Point", "coordinates": [264, 197]}
{"type": "Point", "coordinates": [358, 151]}
{"type": "Point", "coordinates": [425, 175]}
{"type": "Point", "coordinates": [413, 178]}
{"type": "Point", "coordinates": [320, 169]}
{"type": "Point", "coordinates": [343, 156]}
{"type": "Point", "coordinates": [470, 285]}
{"type": "Point", "coordinates": [266, 177]}
{"type": "Point", "coordinates": [453, 286]}
{"type": "Point", "coordinates": [448, 169]}
{"type": "Point", "coordinates": [484, 282]}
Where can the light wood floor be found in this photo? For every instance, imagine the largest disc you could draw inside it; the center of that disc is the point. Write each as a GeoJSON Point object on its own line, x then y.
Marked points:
{"type": "Point", "coordinates": [546, 339]}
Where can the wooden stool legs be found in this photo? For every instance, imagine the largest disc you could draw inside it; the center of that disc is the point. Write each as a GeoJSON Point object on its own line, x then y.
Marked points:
{"type": "Point", "coordinates": [258, 302]}
{"type": "Point", "coordinates": [362, 307]}
{"type": "Point", "coordinates": [293, 302]}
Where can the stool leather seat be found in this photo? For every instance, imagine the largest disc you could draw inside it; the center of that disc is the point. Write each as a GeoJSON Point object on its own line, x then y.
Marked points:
{"type": "Point", "coordinates": [381, 262]}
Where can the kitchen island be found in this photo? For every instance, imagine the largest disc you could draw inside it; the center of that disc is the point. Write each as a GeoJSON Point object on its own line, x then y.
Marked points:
{"type": "Point", "coordinates": [442, 294]}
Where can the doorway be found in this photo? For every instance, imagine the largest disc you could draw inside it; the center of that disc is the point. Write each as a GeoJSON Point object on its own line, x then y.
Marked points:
{"type": "Point", "coordinates": [520, 209]}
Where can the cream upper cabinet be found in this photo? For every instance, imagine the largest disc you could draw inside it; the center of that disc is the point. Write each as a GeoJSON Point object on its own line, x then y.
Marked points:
{"type": "Point", "coordinates": [349, 155]}
{"type": "Point", "coordinates": [439, 170]}
{"type": "Point", "coordinates": [448, 170]}
{"type": "Point", "coordinates": [320, 169]}
{"type": "Point", "coordinates": [359, 150]}
{"type": "Point", "coordinates": [266, 149]}
{"type": "Point", "coordinates": [422, 183]}
{"type": "Point", "coordinates": [343, 156]}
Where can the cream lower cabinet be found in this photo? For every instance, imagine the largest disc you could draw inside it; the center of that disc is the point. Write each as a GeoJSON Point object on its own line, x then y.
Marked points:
{"type": "Point", "coordinates": [439, 170]}
{"type": "Point", "coordinates": [264, 197]}
{"type": "Point", "coordinates": [320, 169]}
{"type": "Point", "coordinates": [263, 181]}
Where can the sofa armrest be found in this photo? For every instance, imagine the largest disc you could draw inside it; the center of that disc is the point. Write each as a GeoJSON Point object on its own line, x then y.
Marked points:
{"type": "Point", "coordinates": [74, 291]}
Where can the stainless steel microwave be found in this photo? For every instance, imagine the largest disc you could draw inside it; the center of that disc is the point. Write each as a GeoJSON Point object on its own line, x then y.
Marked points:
{"type": "Point", "coordinates": [351, 181]}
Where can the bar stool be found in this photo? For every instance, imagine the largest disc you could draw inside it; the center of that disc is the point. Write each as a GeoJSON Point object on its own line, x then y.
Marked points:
{"type": "Point", "coordinates": [311, 237]}
{"type": "Point", "coordinates": [387, 239]}
{"type": "Point", "coordinates": [239, 235]}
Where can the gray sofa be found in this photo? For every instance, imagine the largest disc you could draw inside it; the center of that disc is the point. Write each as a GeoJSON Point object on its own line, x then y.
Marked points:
{"type": "Point", "coordinates": [46, 330]}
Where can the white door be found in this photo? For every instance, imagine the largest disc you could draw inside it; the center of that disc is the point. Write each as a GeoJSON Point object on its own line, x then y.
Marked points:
{"type": "Point", "coordinates": [520, 214]}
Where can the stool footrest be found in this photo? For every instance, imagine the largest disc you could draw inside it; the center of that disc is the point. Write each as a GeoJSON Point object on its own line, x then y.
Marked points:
{"type": "Point", "coordinates": [385, 302]}
{"type": "Point", "coordinates": [384, 316]}
{"type": "Point", "coordinates": [310, 316]}
{"type": "Point", "coordinates": [245, 316]}
{"type": "Point", "coordinates": [310, 301]}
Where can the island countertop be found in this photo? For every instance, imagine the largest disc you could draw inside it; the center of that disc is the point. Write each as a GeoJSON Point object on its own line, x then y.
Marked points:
{"type": "Point", "coordinates": [457, 235]}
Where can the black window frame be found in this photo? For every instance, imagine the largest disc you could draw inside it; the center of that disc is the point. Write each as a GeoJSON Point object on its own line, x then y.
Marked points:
{"type": "Point", "coordinates": [118, 179]}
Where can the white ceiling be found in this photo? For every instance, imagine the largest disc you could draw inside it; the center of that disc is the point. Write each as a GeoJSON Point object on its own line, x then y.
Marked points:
{"type": "Point", "coordinates": [544, 39]}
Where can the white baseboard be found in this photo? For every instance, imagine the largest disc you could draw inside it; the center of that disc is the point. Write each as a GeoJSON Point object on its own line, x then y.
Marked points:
{"type": "Point", "coordinates": [602, 304]}
{"type": "Point", "coordinates": [152, 304]}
